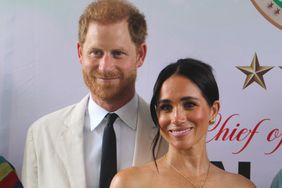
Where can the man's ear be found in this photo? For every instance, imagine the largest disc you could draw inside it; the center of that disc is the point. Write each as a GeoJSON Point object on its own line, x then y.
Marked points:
{"type": "Point", "coordinates": [79, 52]}
{"type": "Point", "coordinates": [141, 54]}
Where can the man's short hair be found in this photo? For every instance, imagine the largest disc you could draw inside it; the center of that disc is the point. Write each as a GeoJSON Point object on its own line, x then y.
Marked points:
{"type": "Point", "coordinates": [113, 11]}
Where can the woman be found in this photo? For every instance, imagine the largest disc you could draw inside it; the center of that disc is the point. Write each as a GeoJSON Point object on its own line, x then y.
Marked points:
{"type": "Point", "coordinates": [185, 101]}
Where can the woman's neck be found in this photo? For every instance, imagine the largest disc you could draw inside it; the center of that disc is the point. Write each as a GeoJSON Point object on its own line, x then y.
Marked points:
{"type": "Point", "coordinates": [193, 160]}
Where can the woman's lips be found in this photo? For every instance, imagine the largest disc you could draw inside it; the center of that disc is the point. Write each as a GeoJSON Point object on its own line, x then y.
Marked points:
{"type": "Point", "coordinates": [180, 132]}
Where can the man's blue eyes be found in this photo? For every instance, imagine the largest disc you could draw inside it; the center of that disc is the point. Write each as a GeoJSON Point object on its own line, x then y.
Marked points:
{"type": "Point", "coordinates": [99, 53]}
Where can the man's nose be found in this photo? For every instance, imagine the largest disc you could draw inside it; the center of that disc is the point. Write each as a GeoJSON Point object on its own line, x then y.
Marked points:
{"type": "Point", "coordinates": [106, 63]}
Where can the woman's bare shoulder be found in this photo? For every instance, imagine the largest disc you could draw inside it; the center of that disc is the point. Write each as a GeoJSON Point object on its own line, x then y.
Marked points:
{"type": "Point", "coordinates": [241, 181]}
{"type": "Point", "coordinates": [134, 177]}
{"type": "Point", "coordinates": [235, 180]}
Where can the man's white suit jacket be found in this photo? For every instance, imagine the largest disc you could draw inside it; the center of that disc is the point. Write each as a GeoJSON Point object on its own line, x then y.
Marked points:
{"type": "Point", "coordinates": [54, 151]}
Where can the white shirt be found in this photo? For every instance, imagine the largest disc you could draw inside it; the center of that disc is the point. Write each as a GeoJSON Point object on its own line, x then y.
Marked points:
{"type": "Point", "coordinates": [125, 130]}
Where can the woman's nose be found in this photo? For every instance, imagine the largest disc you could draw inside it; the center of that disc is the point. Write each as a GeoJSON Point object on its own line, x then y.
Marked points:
{"type": "Point", "coordinates": [179, 116]}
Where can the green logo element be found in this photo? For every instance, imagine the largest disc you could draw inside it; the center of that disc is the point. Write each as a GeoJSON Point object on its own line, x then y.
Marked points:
{"type": "Point", "coordinates": [278, 3]}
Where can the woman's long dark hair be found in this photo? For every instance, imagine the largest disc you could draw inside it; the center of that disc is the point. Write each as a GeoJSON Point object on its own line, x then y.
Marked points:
{"type": "Point", "coordinates": [198, 72]}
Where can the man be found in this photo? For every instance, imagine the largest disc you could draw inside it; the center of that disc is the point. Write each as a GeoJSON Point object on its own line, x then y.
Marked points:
{"type": "Point", "coordinates": [64, 148]}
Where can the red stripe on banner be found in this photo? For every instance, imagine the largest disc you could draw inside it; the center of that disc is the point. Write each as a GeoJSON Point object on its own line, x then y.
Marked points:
{"type": "Point", "coordinates": [9, 181]}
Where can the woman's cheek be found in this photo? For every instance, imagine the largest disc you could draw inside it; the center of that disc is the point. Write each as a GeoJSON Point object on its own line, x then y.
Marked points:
{"type": "Point", "coordinates": [163, 121]}
{"type": "Point", "coordinates": [198, 115]}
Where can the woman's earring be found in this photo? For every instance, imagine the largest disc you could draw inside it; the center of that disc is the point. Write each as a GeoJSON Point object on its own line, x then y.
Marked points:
{"type": "Point", "coordinates": [212, 121]}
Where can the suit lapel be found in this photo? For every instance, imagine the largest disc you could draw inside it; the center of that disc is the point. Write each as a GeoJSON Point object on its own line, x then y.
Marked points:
{"type": "Point", "coordinates": [70, 145]}
{"type": "Point", "coordinates": [144, 135]}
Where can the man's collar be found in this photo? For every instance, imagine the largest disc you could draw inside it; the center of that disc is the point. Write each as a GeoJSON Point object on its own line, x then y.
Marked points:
{"type": "Point", "coordinates": [127, 113]}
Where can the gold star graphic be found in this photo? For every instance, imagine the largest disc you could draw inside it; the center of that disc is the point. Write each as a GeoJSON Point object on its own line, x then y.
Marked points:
{"type": "Point", "coordinates": [254, 72]}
